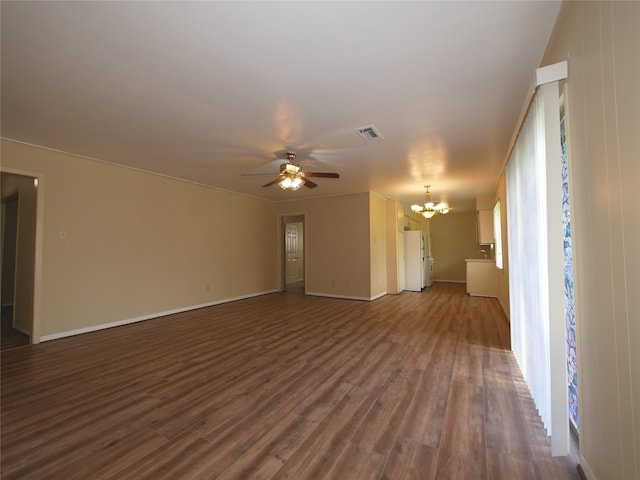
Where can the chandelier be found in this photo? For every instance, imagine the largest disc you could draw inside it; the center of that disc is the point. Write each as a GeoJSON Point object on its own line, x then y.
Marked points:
{"type": "Point", "coordinates": [429, 209]}
{"type": "Point", "coordinates": [291, 177]}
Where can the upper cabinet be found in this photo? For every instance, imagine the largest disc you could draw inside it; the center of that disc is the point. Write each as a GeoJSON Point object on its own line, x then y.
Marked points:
{"type": "Point", "coordinates": [484, 221]}
{"type": "Point", "coordinates": [485, 227]}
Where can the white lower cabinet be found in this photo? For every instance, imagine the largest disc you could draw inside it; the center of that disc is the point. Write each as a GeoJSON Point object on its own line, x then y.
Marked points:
{"type": "Point", "coordinates": [482, 277]}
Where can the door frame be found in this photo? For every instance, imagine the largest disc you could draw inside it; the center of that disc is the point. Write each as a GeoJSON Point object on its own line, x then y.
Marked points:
{"type": "Point", "coordinates": [297, 274]}
{"type": "Point", "coordinates": [283, 220]}
{"type": "Point", "coordinates": [39, 178]}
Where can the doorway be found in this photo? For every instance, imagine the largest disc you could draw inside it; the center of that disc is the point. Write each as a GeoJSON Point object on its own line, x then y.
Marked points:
{"type": "Point", "coordinates": [294, 254]}
{"type": "Point", "coordinates": [19, 224]}
{"type": "Point", "coordinates": [11, 336]}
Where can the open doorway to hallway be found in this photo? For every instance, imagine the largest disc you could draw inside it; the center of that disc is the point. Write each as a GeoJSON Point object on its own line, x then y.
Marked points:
{"type": "Point", "coordinates": [293, 257]}
{"type": "Point", "coordinates": [19, 193]}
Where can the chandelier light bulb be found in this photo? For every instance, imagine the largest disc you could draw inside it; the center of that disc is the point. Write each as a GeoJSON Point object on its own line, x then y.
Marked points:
{"type": "Point", "coordinates": [430, 208]}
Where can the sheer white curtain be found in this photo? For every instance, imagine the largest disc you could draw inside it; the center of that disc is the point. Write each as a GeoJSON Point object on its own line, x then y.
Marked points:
{"type": "Point", "coordinates": [534, 220]}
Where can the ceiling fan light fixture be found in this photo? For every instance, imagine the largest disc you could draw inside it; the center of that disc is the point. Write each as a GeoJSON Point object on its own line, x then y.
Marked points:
{"type": "Point", "coordinates": [291, 168]}
{"type": "Point", "coordinates": [296, 183]}
{"type": "Point", "coordinates": [285, 183]}
{"type": "Point", "coordinates": [291, 182]}
{"type": "Point", "coordinates": [292, 177]}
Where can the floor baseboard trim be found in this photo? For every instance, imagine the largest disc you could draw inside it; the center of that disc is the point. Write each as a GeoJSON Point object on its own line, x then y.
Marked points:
{"type": "Point", "coordinates": [581, 473]}
{"type": "Point", "coordinates": [93, 328]}
{"type": "Point", "coordinates": [502, 306]}
{"type": "Point", "coordinates": [343, 297]}
{"type": "Point", "coordinates": [584, 471]}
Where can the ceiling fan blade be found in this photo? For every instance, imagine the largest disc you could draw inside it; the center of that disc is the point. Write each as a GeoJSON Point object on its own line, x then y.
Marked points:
{"type": "Point", "coordinates": [323, 175]}
{"type": "Point", "coordinates": [309, 183]}
{"type": "Point", "coordinates": [257, 174]}
{"type": "Point", "coordinates": [272, 182]}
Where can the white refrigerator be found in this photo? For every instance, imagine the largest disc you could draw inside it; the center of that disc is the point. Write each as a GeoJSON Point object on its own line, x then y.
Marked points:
{"type": "Point", "coordinates": [415, 257]}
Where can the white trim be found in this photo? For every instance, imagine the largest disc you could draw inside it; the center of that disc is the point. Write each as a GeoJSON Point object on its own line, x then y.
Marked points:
{"type": "Point", "coordinates": [552, 73]}
{"type": "Point", "coordinates": [380, 295]}
{"type": "Point", "coordinates": [560, 436]}
{"type": "Point", "coordinates": [542, 75]}
{"type": "Point", "coordinates": [505, 310]}
{"type": "Point", "coordinates": [281, 275]}
{"type": "Point", "coordinates": [151, 316]}
{"type": "Point", "coordinates": [344, 297]}
{"type": "Point", "coordinates": [39, 242]}
{"type": "Point", "coordinates": [128, 167]}
{"type": "Point", "coordinates": [586, 469]}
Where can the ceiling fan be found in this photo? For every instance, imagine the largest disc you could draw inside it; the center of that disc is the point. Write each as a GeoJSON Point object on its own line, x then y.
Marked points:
{"type": "Point", "coordinates": [291, 176]}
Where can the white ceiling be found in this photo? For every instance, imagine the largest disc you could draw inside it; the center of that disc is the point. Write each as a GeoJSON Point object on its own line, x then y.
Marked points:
{"type": "Point", "coordinates": [207, 91]}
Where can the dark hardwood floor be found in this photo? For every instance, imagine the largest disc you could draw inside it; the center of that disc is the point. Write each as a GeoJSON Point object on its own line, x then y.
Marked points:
{"type": "Point", "coordinates": [283, 386]}
{"type": "Point", "coordinates": [9, 336]}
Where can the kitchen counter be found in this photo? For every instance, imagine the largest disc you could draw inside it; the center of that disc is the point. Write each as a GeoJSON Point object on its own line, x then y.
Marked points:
{"type": "Point", "coordinates": [482, 277]}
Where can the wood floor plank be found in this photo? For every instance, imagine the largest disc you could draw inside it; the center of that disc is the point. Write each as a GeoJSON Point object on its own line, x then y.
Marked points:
{"type": "Point", "coordinates": [80, 438]}
{"type": "Point", "coordinates": [116, 455]}
{"type": "Point", "coordinates": [356, 461]}
{"type": "Point", "coordinates": [506, 420]}
{"type": "Point", "coordinates": [416, 385]}
{"type": "Point", "coordinates": [317, 455]}
{"type": "Point", "coordinates": [425, 415]}
{"type": "Point", "coordinates": [501, 465]}
{"type": "Point", "coordinates": [166, 459]}
{"type": "Point", "coordinates": [379, 429]}
{"type": "Point", "coordinates": [410, 460]}
{"type": "Point", "coordinates": [468, 365]}
{"type": "Point", "coordinates": [462, 451]}
{"type": "Point", "coordinates": [268, 455]}
{"type": "Point", "coordinates": [444, 351]}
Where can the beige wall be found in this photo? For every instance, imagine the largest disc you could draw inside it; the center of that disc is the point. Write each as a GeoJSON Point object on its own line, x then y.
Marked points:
{"type": "Point", "coordinates": [25, 249]}
{"type": "Point", "coordinates": [503, 275]}
{"type": "Point", "coordinates": [337, 244]}
{"type": "Point", "coordinates": [453, 238]}
{"type": "Point", "coordinates": [137, 244]}
{"type": "Point", "coordinates": [392, 234]}
{"type": "Point", "coordinates": [601, 42]}
{"type": "Point", "coordinates": [378, 246]}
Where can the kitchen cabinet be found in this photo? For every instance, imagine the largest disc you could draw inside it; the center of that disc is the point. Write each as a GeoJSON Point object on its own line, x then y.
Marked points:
{"type": "Point", "coordinates": [482, 277]}
{"type": "Point", "coordinates": [484, 225]}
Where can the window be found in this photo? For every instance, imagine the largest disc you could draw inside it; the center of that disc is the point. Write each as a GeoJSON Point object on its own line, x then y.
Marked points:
{"type": "Point", "coordinates": [497, 234]}
{"type": "Point", "coordinates": [536, 270]}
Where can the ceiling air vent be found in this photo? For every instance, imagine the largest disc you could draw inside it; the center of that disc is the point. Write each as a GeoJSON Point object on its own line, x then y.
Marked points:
{"type": "Point", "coordinates": [369, 133]}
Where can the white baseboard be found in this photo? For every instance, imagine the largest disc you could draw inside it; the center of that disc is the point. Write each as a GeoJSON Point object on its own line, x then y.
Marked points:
{"type": "Point", "coordinates": [504, 309]}
{"type": "Point", "coordinates": [127, 321]}
{"type": "Point", "coordinates": [586, 469]}
{"type": "Point", "coordinates": [345, 297]}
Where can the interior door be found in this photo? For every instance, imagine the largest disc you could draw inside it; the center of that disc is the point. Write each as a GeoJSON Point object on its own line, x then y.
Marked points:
{"type": "Point", "coordinates": [294, 252]}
